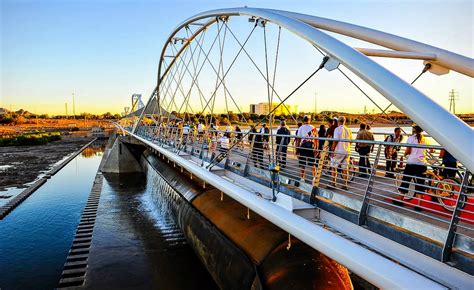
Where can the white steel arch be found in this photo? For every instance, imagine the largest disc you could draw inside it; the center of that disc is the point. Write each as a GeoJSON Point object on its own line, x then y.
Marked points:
{"type": "Point", "coordinates": [450, 131]}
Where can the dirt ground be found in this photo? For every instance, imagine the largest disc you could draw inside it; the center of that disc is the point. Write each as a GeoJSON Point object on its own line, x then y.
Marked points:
{"type": "Point", "coordinates": [22, 164]}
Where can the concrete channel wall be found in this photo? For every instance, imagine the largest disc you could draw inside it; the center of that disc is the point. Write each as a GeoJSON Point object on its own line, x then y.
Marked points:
{"type": "Point", "coordinates": [239, 248]}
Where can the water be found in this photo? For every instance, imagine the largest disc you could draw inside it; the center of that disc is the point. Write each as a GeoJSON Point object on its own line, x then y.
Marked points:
{"type": "Point", "coordinates": [137, 245]}
{"type": "Point", "coordinates": [137, 240]}
{"type": "Point", "coordinates": [36, 236]}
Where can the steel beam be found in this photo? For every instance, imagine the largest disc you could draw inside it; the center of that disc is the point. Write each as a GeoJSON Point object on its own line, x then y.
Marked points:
{"type": "Point", "coordinates": [450, 131]}
{"type": "Point", "coordinates": [396, 54]}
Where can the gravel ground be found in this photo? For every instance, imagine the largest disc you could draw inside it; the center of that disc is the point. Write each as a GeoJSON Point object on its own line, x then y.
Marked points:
{"type": "Point", "coordinates": [22, 164]}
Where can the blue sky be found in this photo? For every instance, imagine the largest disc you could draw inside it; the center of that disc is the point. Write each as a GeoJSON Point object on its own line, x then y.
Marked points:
{"type": "Point", "coordinates": [104, 51]}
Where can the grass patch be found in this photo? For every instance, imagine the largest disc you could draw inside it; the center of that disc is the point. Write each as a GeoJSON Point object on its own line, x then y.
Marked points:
{"type": "Point", "coordinates": [30, 139]}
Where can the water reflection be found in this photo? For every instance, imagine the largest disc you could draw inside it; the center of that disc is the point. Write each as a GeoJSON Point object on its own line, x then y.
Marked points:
{"type": "Point", "coordinates": [132, 229]}
{"type": "Point", "coordinates": [95, 149]}
{"type": "Point", "coordinates": [35, 238]}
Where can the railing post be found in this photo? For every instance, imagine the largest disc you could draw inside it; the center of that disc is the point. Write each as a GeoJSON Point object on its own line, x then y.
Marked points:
{"type": "Point", "coordinates": [448, 244]}
{"type": "Point", "coordinates": [246, 167]}
{"type": "Point", "coordinates": [320, 165]}
{"type": "Point", "coordinates": [368, 191]}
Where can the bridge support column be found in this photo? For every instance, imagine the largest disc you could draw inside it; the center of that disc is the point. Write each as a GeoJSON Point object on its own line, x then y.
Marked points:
{"type": "Point", "coordinates": [120, 159]}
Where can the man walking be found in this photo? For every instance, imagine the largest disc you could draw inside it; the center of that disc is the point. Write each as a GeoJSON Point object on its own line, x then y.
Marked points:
{"type": "Point", "coordinates": [282, 143]}
{"type": "Point", "coordinates": [364, 149]}
{"type": "Point", "coordinates": [391, 152]}
{"type": "Point", "coordinates": [306, 144]}
{"type": "Point", "coordinates": [341, 151]}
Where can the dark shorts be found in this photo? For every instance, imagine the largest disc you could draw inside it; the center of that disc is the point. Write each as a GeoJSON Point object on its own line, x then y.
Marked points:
{"type": "Point", "coordinates": [306, 156]}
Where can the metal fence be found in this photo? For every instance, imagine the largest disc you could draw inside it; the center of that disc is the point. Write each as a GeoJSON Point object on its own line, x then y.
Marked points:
{"type": "Point", "coordinates": [373, 173]}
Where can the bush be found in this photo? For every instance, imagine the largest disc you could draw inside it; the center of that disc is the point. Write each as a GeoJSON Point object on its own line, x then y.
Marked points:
{"type": "Point", "coordinates": [30, 139]}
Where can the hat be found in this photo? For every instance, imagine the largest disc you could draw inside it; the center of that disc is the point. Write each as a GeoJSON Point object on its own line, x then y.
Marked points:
{"type": "Point", "coordinates": [335, 118]}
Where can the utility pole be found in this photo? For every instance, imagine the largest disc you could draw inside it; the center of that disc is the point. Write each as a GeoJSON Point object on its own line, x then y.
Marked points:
{"type": "Point", "coordinates": [73, 107]}
{"type": "Point", "coordinates": [315, 103]}
{"type": "Point", "coordinates": [453, 97]}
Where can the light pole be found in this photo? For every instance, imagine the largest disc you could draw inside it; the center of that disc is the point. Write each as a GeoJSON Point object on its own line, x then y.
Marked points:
{"type": "Point", "coordinates": [73, 107]}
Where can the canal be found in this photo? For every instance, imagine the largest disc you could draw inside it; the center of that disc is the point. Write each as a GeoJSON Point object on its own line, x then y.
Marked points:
{"type": "Point", "coordinates": [36, 236]}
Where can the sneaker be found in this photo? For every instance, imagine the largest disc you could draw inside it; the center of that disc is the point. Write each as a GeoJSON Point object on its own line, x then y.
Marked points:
{"type": "Point", "coordinates": [344, 187]}
{"type": "Point", "coordinates": [406, 198]}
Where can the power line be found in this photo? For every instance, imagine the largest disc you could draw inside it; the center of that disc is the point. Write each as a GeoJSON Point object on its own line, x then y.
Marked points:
{"type": "Point", "coordinates": [453, 97]}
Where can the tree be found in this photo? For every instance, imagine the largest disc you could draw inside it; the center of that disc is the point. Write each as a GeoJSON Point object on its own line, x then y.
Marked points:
{"type": "Point", "coordinates": [233, 117]}
{"type": "Point", "coordinates": [107, 115]}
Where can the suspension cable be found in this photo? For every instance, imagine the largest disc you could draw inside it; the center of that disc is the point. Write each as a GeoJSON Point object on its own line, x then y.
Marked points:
{"type": "Point", "coordinates": [258, 69]}
{"type": "Point", "coordinates": [180, 77]}
{"type": "Point", "coordinates": [206, 53]}
{"type": "Point", "coordinates": [194, 76]}
{"type": "Point", "coordinates": [270, 97]}
{"type": "Point", "coordinates": [187, 96]}
{"type": "Point", "coordinates": [222, 155]}
{"type": "Point", "coordinates": [230, 66]}
{"type": "Point", "coordinates": [425, 69]}
{"type": "Point", "coordinates": [222, 80]}
{"type": "Point", "coordinates": [221, 70]}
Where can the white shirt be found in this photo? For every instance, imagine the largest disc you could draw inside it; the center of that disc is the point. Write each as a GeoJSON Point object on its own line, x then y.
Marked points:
{"type": "Point", "coordinates": [304, 130]}
{"type": "Point", "coordinates": [342, 132]}
{"type": "Point", "coordinates": [201, 128]}
{"type": "Point", "coordinates": [224, 142]}
{"type": "Point", "coordinates": [417, 155]}
{"type": "Point", "coordinates": [186, 129]}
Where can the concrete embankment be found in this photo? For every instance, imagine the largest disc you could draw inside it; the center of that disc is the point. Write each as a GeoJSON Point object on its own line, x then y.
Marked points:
{"type": "Point", "coordinates": [239, 248]}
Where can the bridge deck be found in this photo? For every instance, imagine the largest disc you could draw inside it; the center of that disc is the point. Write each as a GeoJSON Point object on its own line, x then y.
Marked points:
{"type": "Point", "coordinates": [431, 224]}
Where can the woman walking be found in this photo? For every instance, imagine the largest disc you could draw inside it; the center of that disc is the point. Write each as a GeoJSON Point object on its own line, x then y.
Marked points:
{"type": "Point", "coordinates": [415, 168]}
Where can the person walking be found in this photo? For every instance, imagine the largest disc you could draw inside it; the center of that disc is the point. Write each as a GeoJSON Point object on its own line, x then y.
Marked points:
{"type": "Point", "coordinates": [224, 143]}
{"type": "Point", "coordinates": [255, 139]}
{"type": "Point", "coordinates": [341, 152]}
{"type": "Point", "coordinates": [297, 140]}
{"type": "Point", "coordinates": [282, 143]}
{"type": "Point", "coordinates": [200, 129]}
{"type": "Point", "coordinates": [265, 135]}
{"type": "Point", "coordinates": [364, 150]}
{"type": "Point", "coordinates": [306, 145]}
{"type": "Point", "coordinates": [391, 152]}
{"type": "Point", "coordinates": [450, 164]}
{"type": "Point", "coordinates": [239, 137]}
{"type": "Point", "coordinates": [415, 167]}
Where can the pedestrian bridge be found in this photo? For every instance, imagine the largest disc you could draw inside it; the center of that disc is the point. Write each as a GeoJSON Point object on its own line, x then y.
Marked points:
{"type": "Point", "coordinates": [422, 239]}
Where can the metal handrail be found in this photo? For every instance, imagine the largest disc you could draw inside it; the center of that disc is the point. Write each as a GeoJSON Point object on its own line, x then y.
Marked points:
{"type": "Point", "coordinates": [375, 190]}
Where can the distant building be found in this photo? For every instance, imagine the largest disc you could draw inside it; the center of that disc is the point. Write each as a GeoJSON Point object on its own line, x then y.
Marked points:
{"type": "Point", "coordinates": [265, 108]}
{"type": "Point", "coordinates": [97, 131]}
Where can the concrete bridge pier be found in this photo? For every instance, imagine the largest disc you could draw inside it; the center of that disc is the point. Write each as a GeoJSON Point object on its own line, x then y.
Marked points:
{"type": "Point", "coordinates": [122, 158]}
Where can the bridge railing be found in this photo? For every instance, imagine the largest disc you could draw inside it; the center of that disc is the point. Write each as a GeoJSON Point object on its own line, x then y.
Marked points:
{"type": "Point", "coordinates": [372, 174]}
